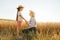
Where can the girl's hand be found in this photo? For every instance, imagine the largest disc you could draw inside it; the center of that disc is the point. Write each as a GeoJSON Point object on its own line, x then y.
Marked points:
{"type": "Point", "coordinates": [26, 22]}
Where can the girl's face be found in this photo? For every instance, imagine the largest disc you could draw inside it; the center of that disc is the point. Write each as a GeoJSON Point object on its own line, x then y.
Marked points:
{"type": "Point", "coordinates": [21, 9]}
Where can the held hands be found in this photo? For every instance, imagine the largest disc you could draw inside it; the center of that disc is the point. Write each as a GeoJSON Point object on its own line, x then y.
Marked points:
{"type": "Point", "coordinates": [24, 20]}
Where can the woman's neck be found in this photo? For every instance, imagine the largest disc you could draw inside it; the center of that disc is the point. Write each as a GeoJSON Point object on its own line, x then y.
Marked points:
{"type": "Point", "coordinates": [32, 17]}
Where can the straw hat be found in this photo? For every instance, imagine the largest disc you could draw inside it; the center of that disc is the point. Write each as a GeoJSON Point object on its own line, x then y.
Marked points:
{"type": "Point", "coordinates": [20, 6]}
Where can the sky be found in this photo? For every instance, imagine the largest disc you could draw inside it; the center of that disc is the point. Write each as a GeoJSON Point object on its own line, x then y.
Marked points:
{"type": "Point", "coordinates": [45, 10]}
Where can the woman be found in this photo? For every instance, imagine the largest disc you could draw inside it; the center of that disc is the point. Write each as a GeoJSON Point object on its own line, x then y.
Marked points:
{"type": "Point", "coordinates": [32, 22]}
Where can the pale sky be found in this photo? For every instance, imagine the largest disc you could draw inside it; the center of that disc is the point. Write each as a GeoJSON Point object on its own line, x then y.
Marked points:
{"type": "Point", "coordinates": [45, 10]}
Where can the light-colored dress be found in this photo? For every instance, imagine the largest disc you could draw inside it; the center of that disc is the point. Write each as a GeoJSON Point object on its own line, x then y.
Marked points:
{"type": "Point", "coordinates": [19, 18]}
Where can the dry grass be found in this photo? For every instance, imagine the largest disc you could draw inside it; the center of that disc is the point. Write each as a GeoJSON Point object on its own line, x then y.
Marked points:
{"type": "Point", "coordinates": [48, 31]}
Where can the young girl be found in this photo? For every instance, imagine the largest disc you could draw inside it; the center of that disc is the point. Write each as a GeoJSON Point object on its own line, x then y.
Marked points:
{"type": "Point", "coordinates": [19, 18]}
{"type": "Point", "coordinates": [32, 22]}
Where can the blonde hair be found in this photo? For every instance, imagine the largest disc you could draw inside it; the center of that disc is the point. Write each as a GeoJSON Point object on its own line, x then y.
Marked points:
{"type": "Point", "coordinates": [32, 13]}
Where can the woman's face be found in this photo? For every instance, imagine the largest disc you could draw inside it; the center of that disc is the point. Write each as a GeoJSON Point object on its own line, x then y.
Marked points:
{"type": "Point", "coordinates": [31, 14]}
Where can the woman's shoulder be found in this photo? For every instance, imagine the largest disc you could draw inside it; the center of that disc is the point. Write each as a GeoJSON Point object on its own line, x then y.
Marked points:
{"type": "Point", "coordinates": [32, 18]}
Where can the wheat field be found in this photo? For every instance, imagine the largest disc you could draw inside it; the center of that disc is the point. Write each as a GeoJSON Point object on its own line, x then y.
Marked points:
{"type": "Point", "coordinates": [47, 31]}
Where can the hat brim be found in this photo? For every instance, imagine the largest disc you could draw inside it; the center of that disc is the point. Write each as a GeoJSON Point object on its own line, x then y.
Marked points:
{"type": "Point", "coordinates": [20, 7]}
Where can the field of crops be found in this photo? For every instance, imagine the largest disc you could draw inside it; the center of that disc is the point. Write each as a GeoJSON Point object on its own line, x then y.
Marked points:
{"type": "Point", "coordinates": [47, 31]}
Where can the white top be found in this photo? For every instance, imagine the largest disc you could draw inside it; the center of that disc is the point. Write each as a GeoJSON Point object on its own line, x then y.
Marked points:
{"type": "Point", "coordinates": [19, 18]}
{"type": "Point", "coordinates": [32, 22]}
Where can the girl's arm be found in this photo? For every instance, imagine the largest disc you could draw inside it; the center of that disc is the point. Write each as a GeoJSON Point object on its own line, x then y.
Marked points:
{"type": "Point", "coordinates": [26, 22]}
{"type": "Point", "coordinates": [24, 19]}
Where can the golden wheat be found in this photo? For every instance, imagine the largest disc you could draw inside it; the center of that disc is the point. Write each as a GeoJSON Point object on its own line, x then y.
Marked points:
{"type": "Point", "coordinates": [48, 31]}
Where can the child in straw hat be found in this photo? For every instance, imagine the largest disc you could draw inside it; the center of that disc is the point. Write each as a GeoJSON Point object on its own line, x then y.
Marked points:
{"type": "Point", "coordinates": [19, 18]}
